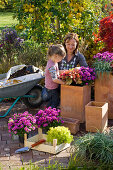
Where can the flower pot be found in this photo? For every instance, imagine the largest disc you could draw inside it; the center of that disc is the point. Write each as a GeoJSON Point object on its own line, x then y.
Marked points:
{"type": "Point", "coordinates": [72, 124]}
{"type": "Point", "coordinates": [73, 101]}
{"type": "Point", "coordinates": [21, 139]}
{"type": "Point", "coordinates": [104, 91]}
{"type": "Point", "coordinates": [96, 114]}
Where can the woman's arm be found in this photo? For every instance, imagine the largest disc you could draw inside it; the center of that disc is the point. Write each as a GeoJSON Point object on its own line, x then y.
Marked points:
{"type": "Point", "coordinates": [82, 60]}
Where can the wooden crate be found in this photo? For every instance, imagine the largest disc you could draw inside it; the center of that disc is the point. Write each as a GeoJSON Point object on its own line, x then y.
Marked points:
{"type": "Point", "coordinates": [96, 114]}
{"type": "Point", "coordinates": [45, 147]}
{"type": "Point", "coordinates": [73, 101]}
{"type": "Point", "coordinates": [72, 124]}
{"type": "Point", "coordinates": [104, 91]}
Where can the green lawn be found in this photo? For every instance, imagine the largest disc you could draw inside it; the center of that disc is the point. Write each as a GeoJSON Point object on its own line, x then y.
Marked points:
{"type": "Point", "coordinates": [6, 19]}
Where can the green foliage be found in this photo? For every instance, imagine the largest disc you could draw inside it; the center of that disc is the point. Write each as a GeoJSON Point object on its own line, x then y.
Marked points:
{"type": "Point", "coordinates": [61, 133]}
{"type": "Point", "coordinates": [51, 20]}
{"type": "Point", "coordinates": [7, 4]}
{"type": "Point", "coordinates": [10, 45]}
{"type": "Point", "coordinates": [102, 66]}
{"type": "Point", "coordinates": [33, 54]}
{"type": "Point", "coordinates": [96, 147]}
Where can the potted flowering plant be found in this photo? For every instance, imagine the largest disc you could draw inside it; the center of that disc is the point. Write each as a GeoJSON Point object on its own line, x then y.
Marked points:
{"type": "Point", "coordinates": [21, 123]}
{"type": "Point", "coordinates": [103, 63]}
{"type": "Point", "coordinates": [82, 76]}
{"type": "Point", "coordinates": [48, 118]}
{"type": "Point", "coordinates": [77, 92]}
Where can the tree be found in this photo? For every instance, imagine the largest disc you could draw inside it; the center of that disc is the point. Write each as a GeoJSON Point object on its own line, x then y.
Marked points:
{"type": "Point", "coordinates": [6, 4]}
{"type": "Point", "coordinates": [49, 20]}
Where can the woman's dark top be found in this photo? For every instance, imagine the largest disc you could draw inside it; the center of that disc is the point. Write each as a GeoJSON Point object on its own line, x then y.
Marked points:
{"type": "Point", "coordinates": [77, 59]}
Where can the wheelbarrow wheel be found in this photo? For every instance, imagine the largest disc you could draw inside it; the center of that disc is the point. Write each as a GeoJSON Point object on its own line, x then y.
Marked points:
{"type": "Point", "coordinates": [36, 101]}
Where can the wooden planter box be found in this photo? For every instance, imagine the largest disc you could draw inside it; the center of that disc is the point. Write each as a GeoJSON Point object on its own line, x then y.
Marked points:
{"type": "Point", "coordinates": [104, 91]}
{"type": "Point", "coordinates": [73, 101]}
{"type": "Point", "coordinates": [96, 114]}
{"type": "Point", "coordinates": [45, 147]}
{"type": "Point", "coordinates": [72, 124]}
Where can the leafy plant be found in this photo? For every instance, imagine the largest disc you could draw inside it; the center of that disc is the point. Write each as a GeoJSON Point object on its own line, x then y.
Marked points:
{"type": "Point", "coordinates": [105, 33]}
{"type": "Point", "coordinates": [10, 46]}
{"type": "Point", "coordinates": [97, 147]}
{"type": "Point", "coordinates": [48, 118]}
{"type": "Point", "coordinates": [103, 62]}
{"type": "Point", "coordinates": [21, 123]}
{"type": "Point", "coordinates": [61, 133]}
{"type": "Point", "coordinates": [33, 53]}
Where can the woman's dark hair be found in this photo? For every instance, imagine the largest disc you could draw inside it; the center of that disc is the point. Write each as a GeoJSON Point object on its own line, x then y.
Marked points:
{"type": "Point", "coordinates": [70, 36]}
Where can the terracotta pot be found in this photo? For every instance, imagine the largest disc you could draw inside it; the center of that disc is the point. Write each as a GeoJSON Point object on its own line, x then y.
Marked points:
{"type": "Point", "coordinates": [73, 101]}
{"type": "Point", "coordinates": [96, 114]}
{"type": "Point", "coordinates": [72, 124]}
{"type": "Point", "coordinates": [104, 91]}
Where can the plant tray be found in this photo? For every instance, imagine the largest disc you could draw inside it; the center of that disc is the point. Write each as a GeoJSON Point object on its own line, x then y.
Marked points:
{"type": "Point", "coordinates": [45, 147]}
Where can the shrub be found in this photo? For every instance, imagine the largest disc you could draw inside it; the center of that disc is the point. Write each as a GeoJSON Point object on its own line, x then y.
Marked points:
{"type": "Point", "coordinates": [97, 147]}
{"type": "Point", "coordinates": [33, 53]}
{"type": "Point", "coordinates": [61, 133]}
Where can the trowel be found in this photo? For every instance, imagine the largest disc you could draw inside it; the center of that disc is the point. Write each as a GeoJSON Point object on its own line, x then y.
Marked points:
{"type": "Point", "coordinates": [26, 149]}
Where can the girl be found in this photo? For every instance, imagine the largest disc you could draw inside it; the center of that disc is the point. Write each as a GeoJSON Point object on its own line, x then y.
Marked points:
{"type": "Point", "coordinates": [55, 54]}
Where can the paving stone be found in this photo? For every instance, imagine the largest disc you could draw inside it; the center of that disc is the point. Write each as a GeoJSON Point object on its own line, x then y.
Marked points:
{"type": "Point", "coordinates": [12, 142]}
{"type": "Point", "coordinates": [14, 145]}
{"type": "Point", "coordinates": [2, 143]}
{"type": "Point", "coordinates": [6, 137]}
{"type": "Point", "coordinates": [4, 158]}
{"type": "Point", "coordinates": [7, 154]}
{"type": "Point", "coordinates": [16, 157]}
{"type": "Point", "coordinates": [26, 156]}
{"type": "Point", "coordinates": [6, 149]}
{"type": "Point", "coordinates": [11, 162]}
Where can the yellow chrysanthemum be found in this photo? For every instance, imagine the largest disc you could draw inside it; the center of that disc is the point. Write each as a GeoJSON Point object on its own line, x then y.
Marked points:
{"type": "Point", "coordinates": [81, 9]}
{"type": "Point", "coordinates": [76, 22]}
{"type": "Point", "coordinates": [78, 15]}
{"type": "Point", "coordinates": [70, 15]}
{"type": "Point", "coordinates": [21, 27]}
{"type": "Point", "coordinates": [26, 10]}
{"type": "Point", "coordinates": [75, 9]}
{"type": "Point", "coordinates": [31, 10]}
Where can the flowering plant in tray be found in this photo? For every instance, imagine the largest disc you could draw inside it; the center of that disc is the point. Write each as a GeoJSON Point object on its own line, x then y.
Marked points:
{"type": "Point", "coordinates": [48, 118]}
{"type": "Point", "coordinates": [103, 62]}
{"type": "Point", "coordinates": [21, 123]}
{"type": "Point", "coordinates": [82, 76]}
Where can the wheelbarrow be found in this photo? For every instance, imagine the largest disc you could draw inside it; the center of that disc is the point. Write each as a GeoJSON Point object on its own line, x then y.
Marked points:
{"type": "Point", "coordinates": [25, 87]}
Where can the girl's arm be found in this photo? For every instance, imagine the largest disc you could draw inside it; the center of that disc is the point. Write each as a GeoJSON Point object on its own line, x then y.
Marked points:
{"type": "Point", "coordinates": [58, 81]}
{"type": "Point", "coordinates": [54, 77]}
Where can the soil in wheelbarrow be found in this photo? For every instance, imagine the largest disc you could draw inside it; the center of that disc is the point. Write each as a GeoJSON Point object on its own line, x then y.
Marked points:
{"type": "Point", "coordinates": [24, 71]}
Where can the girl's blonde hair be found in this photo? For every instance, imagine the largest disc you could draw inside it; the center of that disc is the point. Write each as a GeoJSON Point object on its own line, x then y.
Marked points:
{"type": "Point", "coordinates": [57, 49]}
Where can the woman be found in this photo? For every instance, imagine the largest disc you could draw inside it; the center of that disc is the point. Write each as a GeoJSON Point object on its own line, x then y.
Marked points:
{"type": "Point", "coordinates": [73, 56]}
